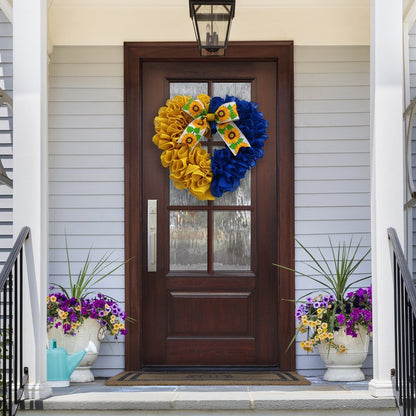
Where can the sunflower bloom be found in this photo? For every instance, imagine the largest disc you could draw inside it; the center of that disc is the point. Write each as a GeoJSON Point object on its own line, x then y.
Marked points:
{"type": "Point", "coordinates": [222, 114]}
{"type": "Point", "coordinates": [195, 108]}
{"type": "Point", "coordinates": [232, 136]}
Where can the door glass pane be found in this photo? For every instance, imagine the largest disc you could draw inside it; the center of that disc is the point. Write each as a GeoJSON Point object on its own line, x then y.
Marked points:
{"type": "Point", "coordinates": [241, 90]}
{"type": "Point", "coordinates": [188, 88]}
{"type": "Point", "coordinates": [232, 240]}
{"type": "Point", "coordinates": [188, 240]}
{"type": "Point", "coordinates": [241, 196]}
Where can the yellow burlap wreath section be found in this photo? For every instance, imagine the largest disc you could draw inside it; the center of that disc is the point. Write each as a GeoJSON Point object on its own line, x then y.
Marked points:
{"type": "Point", "coordinates": [188, 168]}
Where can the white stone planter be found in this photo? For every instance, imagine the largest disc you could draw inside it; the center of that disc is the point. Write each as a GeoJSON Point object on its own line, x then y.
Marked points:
{"type": "Point", "coordinates": [90, 330]}
{"type": "Point", "coordinates": [345, 366]}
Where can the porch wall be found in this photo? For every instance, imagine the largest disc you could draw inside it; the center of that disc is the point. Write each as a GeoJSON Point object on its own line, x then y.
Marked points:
{"type": "Point", "coordinates": [86, 161]}
{"type": "Point", "coordinates": [6, 137]}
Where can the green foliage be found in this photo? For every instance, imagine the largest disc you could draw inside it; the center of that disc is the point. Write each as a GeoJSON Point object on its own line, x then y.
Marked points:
{"type": "Point", "coordinates": [336, 271]}
{"type": "Point", "coordinates": [89, 276]}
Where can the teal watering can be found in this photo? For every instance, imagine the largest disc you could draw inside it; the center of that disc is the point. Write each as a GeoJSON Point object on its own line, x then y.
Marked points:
{"type": "Point", "coordinates": [60, 365]}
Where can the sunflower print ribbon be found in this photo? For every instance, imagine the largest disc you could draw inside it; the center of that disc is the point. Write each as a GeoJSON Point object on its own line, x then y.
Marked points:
{"type": "Point", "coordinates": [223, 117]}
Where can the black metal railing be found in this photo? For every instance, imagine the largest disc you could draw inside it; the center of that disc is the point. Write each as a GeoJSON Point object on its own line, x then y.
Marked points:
{"type": "Point", "coordinates": [404, 375]}
{"type": "Point", "coordinates": [13, 375]}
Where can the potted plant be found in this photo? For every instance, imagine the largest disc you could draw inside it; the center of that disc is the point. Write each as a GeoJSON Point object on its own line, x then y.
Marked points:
{"type": "Point", "coordinates": [78, 315]}
{"type": "Point", "coordinates": [338, 321]}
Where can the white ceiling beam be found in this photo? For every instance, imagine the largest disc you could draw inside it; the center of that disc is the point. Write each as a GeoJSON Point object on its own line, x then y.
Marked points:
{"type": "Point", "coordinates": [7, 7]}
{"type": "Point", "coordinates": [409, 13]}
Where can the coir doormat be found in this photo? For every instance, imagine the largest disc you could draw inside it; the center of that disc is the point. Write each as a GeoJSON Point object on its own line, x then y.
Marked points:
{"type": "Point", "coordinates": [207, 378]}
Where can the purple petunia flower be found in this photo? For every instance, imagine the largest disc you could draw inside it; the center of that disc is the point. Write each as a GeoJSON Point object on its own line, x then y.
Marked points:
{"type": "Point", "coordinates": [66, 327]}
{"type": "Point", "coordinates": [351, 332]}
{"type": "Point", "coordinates": [341, 318]}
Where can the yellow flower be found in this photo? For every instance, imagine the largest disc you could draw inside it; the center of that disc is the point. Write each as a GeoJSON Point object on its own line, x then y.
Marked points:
{"type": "Point", "coordinates": [303, 329]}
{"type": "Point", "coordinates": [318, 322]}
{"type": "Point", "coordinates": [302, 345]}
{"type": "Point", "coordinates": [62, 314]}
{"type": "Point", "coordinates": [78, 307]}
{"type": "Point", "coordinates": [342, 348]}
{"type": "Point", "coordinates": [190, 139]}
{"type": "Point", "coordinates": [320, 330]}
{"type": "Point", "coordinates": [312, 324]}
{"type": "Point", "coordinates": [47, 299]}
{"type": "Point", "coordinates": [316, 338]}
{"type": "Point", "coordinates": [319, 311]}
{"type": "Point", "coordinates": [330, 335]}
{"type": "Point", "coordinates": [121, 325]}
{"type": "Point", "coordinates": [53, 298]}
{"type": "Point", "coordinates": [304, 318]}
{"type": "Point", "coordinates": [223, 114]}
{"type": "Point", "coordinates": [200, 122]}
{"type": "Point", "coordinates": [195, 108]}
{"type": "Point", "coordinates": [116, 326]}
{"type": "Point", "coordinates": [113, 319]}
{"type": "Point", "coordinates": [324, 325]}
{"type": "Point", "coordinates": [320, 316]}
{"type": "Point", "coordinates": [231, 136]}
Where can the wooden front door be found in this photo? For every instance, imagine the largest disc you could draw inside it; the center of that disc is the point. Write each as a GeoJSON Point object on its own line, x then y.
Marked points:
{"type": "Point", "coordinates": [210, 295]}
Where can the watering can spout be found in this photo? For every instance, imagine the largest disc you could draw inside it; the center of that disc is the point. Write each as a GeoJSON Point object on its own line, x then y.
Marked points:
{"type": "Point", "coordinates": [75, 359]}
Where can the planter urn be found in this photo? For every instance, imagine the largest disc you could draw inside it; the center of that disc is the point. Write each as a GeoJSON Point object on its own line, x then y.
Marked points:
{"type": "Point", "coordinates": [90, 330]}
{"type": "Point", "coordinates": [345, 366]}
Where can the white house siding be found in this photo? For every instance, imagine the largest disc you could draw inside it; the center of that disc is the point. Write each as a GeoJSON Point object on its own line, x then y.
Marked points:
{"type": "Point", "coordinates": [86, 169]}
{"type": "Point", "coordinates": [332, 160]}
{"type": "Point", "coordinates": [6, 137]}
{"type": "Point", "coordinates": [86, 160]}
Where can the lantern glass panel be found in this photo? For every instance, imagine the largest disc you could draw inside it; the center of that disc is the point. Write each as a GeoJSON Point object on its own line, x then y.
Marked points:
{"type": "Point", "coordinates": [212, 25]}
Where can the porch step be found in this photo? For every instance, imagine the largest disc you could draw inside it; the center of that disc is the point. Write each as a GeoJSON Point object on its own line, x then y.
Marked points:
{"type": "Point", "coordinates": [311, 400]}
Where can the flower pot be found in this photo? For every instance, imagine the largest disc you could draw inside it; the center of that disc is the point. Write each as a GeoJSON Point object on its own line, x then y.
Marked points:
{"type": "Point", "coordinates": [90, 330]}
{"type": "Point", "coordinates": [345, 366]}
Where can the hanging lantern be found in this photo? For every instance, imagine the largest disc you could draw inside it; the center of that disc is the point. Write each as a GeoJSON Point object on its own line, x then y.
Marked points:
{"type": "Point", "coordinates": [212, 23]}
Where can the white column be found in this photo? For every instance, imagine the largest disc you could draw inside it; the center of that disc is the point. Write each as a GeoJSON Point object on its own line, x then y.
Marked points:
{"type": "Point", "coordinates": [386, 177]}
{"type": "Point", "coordinates": [30, 199]}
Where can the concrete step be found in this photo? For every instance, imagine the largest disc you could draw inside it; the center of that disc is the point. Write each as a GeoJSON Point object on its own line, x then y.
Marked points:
{"type": "Point", "coordinates": [315, 400]}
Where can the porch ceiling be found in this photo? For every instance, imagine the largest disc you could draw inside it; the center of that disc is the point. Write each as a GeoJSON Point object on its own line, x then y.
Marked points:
{"type": "Point", "coordinates": [111, 22]}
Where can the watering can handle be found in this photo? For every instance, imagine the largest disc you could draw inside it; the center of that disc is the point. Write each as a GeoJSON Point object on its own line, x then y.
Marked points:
{"type": "Point", "coordinates": [91, 347]}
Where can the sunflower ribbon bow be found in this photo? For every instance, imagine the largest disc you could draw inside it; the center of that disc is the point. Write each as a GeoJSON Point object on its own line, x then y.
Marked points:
{"type": "Point", "coordinates": [223, 117]}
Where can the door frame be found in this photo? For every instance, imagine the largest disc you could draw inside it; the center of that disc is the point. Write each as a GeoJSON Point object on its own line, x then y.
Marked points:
{"type": "Point", "coordinates": [135, 53]}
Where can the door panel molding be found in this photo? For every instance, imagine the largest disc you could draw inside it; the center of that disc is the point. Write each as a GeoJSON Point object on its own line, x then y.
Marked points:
{"type": "Point", "coordinates": [137, 53]}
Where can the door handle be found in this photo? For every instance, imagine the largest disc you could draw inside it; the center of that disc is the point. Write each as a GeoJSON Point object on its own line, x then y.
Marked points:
{"type": "Point", "coordinates": [152, 235]}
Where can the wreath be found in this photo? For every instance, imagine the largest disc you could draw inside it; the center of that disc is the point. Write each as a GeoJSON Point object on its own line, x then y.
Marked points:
{"type": "Point", "coordinates": [181, 124]}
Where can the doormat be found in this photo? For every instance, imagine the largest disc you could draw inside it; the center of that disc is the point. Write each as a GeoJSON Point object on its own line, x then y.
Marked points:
{"type": "Point", "coordinates": [207, 378]}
